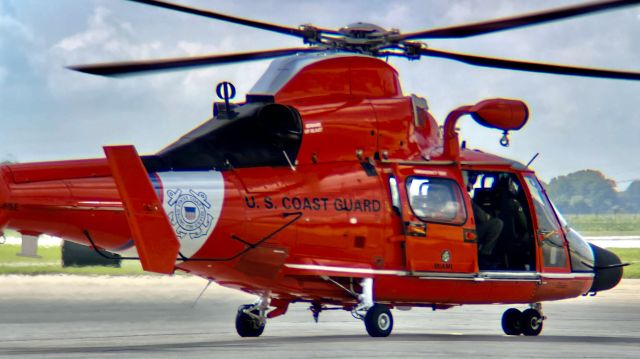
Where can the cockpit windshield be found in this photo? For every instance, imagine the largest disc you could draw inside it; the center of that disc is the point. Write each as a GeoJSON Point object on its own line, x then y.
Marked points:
{"type": "Point", "coordinates": [553, 226]}
{"type": "Point", "coordinates": [582, 258]}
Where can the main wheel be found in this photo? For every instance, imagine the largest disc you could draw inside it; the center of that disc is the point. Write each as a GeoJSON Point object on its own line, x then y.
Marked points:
{"type": "Point", "coordinates": [531, 321]}
{"type": "Point", "coordinates": [246, 325]}
{"type": "Point", "coordinates": [511, 322]}
{"type": "Point", "coordinates": [378, 321]}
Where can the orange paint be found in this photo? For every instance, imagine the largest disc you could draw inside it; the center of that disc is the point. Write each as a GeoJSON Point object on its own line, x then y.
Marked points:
{"type": "Point", "coordinates": [334, 214]}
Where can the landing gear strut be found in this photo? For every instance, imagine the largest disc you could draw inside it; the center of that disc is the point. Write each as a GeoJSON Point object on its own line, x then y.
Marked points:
{"type": "Point", "coordinates": [528, 323]}
{"type": "Point", "coordinates": [252, 318]}
{"type": "Point", "coordinates": [377, 317]}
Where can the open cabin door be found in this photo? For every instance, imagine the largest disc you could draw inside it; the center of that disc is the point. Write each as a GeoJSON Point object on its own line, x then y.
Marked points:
{"type": "Point", "coordinates": [550, 238]}
{"type": "Point", "coordinates": [439, 236]}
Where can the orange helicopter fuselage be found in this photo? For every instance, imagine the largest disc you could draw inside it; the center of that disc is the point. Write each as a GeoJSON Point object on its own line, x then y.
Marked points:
{"type": "Point", "coordinates": [326, 217]}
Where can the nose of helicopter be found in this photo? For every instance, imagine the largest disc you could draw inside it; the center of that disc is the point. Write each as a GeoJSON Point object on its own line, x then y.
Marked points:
{"type": "Point", "coordinates": [607, 269]}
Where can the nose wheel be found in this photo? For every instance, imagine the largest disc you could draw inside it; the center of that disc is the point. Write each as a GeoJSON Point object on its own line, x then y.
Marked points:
{"type": "Point", "coordinates": [511, 323]}
{"type": "Point", "coordinates": [528, 322]}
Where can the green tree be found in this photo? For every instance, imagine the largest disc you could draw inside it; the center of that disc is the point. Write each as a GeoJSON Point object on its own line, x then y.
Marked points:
{"type": "Point", "coordinates": [631, 197]}
{"type": "Point", "coordinates": [586, 191]}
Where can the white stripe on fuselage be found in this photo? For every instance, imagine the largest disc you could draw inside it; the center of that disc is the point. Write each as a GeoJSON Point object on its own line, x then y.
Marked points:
{"type": "Point", "coordinates": [481, 276]}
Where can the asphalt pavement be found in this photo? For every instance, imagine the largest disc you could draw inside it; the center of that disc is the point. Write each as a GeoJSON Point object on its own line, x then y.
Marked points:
{"type": "Point", "coordinates": [154, 317]}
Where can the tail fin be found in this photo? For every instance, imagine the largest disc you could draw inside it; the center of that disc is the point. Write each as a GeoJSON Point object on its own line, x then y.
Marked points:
{"type": "Point", "coordinates": [154, 238]}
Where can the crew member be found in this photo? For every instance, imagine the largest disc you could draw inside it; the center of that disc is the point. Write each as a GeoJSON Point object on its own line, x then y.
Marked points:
{"type": "Point", "coordinates": [488, 230]}
{"type": "Point", "coordinates": [488, 227]}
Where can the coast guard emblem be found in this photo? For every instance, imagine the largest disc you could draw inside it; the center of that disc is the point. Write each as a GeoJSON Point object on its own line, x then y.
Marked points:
{"type": "Point", "coordinates": [189, 214]}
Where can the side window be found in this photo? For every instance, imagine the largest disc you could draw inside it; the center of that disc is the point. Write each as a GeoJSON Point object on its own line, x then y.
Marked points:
{"type": "Point", "coordinates": [436, 200]}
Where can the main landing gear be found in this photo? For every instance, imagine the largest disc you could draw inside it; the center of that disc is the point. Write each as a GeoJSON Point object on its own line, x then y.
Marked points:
{"type": "Point", "coordinates": [377, 317]}
{"type": "Point", "coordinates": [249, 323]}
{"type": "Point", "coordinates": [252, 318]}
{"type": "Point", "coordinates": [529, 322]}
{"type": "Point", "coordinates": [378, 321]}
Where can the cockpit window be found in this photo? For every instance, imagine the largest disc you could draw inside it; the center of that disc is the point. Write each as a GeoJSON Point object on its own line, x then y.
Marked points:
{"type": "Point", "coordinates": [436, 200]}
{"type": "Point", "coordinates": [580, 252]}
{"type": "Point", "coordinates": [563, 221]}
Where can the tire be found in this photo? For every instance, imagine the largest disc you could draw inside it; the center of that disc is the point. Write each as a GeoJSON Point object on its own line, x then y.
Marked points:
{"type": "Point", "coordinates": [378, 321]}
{"type": "Point", "coordinates": [512, 322]}
{"type": "Point", "coordinates": [531, 321]}
{"type": "Point", "coordinates": [246, 325]}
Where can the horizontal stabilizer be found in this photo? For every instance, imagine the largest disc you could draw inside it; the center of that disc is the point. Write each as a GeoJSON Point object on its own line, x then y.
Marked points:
{"type": "Point", "coordinates": [154, 238]}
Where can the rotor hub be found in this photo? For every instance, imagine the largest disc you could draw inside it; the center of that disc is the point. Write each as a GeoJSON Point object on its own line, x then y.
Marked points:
{"type": "Point", "coordinates": [363, 30]}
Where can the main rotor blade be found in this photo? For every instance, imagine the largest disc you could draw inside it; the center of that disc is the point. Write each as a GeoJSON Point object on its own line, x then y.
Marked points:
{"type": "Point", "coordinates": [532, 66]}
{"type": "Point", "coordinates": [134, 67]}
{"type": "Point", "coordinates": [236, 20]}
{"type": "Point", "coordinates": [486, 27]}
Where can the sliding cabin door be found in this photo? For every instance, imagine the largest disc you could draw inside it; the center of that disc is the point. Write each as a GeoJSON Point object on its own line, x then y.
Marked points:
{"type": "Point", "coordinates": [438, 229]}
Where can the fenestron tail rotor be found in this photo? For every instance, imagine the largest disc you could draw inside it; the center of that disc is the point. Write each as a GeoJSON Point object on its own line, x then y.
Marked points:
{"type": "Point", "coordinates": [373, 40]}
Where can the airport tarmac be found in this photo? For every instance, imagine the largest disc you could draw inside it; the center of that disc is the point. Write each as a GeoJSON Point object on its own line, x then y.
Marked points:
{"type": "Point", "coordinates": [153, 317]}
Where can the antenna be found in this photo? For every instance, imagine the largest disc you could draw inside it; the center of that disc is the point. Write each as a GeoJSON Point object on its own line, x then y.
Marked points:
{"type": "Point", "coordinates": [225, 91]}
{"type": "Point", "coordinates": [533, 158]}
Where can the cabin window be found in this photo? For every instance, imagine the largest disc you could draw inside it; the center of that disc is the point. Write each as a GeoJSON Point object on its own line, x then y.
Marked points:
{"type": "Point", "coordinates": [436, 200]}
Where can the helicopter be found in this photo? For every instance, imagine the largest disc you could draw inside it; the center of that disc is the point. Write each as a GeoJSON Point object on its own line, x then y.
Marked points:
{"type": "Point", "coordinates": [329, 186]}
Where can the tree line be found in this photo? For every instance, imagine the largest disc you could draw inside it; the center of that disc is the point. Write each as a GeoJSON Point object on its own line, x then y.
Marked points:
{"type": "Point", "coordinates": [590, 192]}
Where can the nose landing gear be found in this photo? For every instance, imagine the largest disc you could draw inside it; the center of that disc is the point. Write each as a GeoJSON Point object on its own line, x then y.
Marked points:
{"type": "Point", "coordinates": [511, 323]}
{"type": "Point", "coordinates": [527, 323]}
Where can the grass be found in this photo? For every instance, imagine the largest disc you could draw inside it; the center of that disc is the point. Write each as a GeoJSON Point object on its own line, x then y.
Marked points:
{"type": "Point", "coordinates": [50, 263]}
{"type": "Point", "coordinates": [630, 255]}
{"type": "Point", "coordinates": [605, 224]}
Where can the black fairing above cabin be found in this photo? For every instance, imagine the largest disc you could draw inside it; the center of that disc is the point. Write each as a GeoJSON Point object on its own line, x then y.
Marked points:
{"type": "Point", "coordinates": [256, 135]}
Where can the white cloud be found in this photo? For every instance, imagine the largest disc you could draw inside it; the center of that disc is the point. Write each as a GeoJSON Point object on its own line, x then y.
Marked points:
{"type": "Point", "coordinates": [104, 38]}
{"type": "Point", "coordinates": [12, 26]}
{"type": "Point", "coordinates": [395, 15]}
{"type": "Point", "coordinates": [98, 31]}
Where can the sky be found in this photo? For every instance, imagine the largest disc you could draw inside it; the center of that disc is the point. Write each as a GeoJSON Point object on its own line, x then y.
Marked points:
{"type": "Point", "coordinates": [50, 113]}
